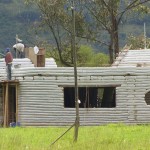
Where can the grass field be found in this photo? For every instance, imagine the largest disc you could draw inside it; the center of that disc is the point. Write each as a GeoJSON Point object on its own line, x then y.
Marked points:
{"type": "Point", "coordinates": [110, 137]}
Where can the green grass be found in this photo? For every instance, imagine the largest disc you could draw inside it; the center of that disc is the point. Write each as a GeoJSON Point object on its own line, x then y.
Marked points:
{"type": "Point", "coordinates": [110, 137]}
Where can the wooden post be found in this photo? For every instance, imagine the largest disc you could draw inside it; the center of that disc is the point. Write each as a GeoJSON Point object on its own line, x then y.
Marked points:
{"type": "Point", "coordinates": [6, 106]}
{"type": "Point", "coordinates": [77, 121]}
{"type": "Point", "coordinates": [3, 90]}
{"type": "Point", "coordinates": [5, 109]}
{"type": "Point", "coordinates": [16, 102]}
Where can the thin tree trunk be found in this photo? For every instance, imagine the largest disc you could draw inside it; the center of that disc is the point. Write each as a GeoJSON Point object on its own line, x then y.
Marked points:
{"type": "Point", "coordinates": [111, 54]}
{"type": "Point", "coordinates": [114, 33]}
{"type": "Point", "coordinates": [116, 39]}
{"type": "Point", "coordinates": [111, 51]}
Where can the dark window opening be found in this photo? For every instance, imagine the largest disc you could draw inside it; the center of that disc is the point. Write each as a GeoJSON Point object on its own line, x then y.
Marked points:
{"type": "Point", "coordinates": [91, 97]}
{"type": "Point", "coordinates": [147, 98]}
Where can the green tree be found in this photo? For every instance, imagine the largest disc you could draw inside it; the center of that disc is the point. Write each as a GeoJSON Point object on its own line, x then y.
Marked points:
{"type": "Point", "coordinates": [138, 42]}
{"type": "Point", "coordinates": [106, 16]}
{"type": "Point", "coordinates": [57, 18]}
{"type": "Point", "coordinates": [96, 20]}
{"type": "Point", "coordinates": [99, 60]}
{"type": "Point", "coordinates": [86, 56]}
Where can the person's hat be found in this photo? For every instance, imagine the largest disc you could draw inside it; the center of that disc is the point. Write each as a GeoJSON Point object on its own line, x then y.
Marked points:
{"type": "Point", "coordinates": [7, 49]}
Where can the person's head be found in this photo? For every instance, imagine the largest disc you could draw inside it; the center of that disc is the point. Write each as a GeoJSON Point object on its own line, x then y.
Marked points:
{"type": "Point", "coordinates": [7, 49]}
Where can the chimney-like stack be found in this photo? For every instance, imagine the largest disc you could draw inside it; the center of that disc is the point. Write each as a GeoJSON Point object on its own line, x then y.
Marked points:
{"type": "Point", "coordinates": [38, 59]}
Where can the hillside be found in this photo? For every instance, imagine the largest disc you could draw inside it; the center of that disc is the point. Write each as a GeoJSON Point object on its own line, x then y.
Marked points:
{"type": "Point", "coordinates": [17, 18]}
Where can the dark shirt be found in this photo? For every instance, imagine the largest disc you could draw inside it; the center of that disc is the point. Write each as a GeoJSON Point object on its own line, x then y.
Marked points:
{"type": "Point", "coordinates": [8, 58]}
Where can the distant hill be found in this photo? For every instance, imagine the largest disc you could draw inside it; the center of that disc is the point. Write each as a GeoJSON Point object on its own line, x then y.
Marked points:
{"type": "Point", "coordinates": [17, 18]}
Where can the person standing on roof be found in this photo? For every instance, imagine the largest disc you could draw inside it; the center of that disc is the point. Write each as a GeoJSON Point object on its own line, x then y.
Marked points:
{"type": "Point", "coordinates": [8, 61]}
{"type": "Point", "coordinates": [19, 48]}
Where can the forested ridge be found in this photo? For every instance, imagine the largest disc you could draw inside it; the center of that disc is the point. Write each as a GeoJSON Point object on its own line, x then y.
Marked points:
{"type": "Point", "coordinates": [18, 18]}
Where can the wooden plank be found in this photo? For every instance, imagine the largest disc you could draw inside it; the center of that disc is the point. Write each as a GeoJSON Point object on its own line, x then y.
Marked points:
{"type": "Point", "coordinates": [16, 102]}
{"type": "Point", "coordinates": [6, 106]}
{"type": "Point", "coordinates": [3, 95]}
{"type": "Point", "coordinates": [98, 85]}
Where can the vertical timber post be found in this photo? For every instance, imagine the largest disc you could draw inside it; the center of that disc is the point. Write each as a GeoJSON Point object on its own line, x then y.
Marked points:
{"type": "Point", "coordinates": [75, 72]}
{"type": "Point", "coordinates": [6, 107]}
{"type": "Point", "coordinates": [3, 89]}
{"type": "Point", "coordinates": [16, 115]}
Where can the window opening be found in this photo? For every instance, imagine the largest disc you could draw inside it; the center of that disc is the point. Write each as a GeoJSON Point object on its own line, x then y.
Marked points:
{"type": "Point", "coordinates": [147, 98]}
{"type": "Point", "coordinates": [91, 97]}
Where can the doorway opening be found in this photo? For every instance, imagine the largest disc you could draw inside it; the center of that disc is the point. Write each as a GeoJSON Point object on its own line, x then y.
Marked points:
{"type": "Point", "coordinates": [10, 102]}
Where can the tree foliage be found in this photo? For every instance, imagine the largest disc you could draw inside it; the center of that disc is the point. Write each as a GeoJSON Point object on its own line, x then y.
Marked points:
{"type": "Point", "coordinates": [138, 42]}
{"type": "Point", "coordinates": [57, 18]}
{"type": "Point", "coordinates": [94, 19]}
{"type": "Point", "coordinates": [107, 15]}
{"type": "Point", "coordinates": [87, 57]}
{"type": "Point", "coordinates": [85, 54]}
